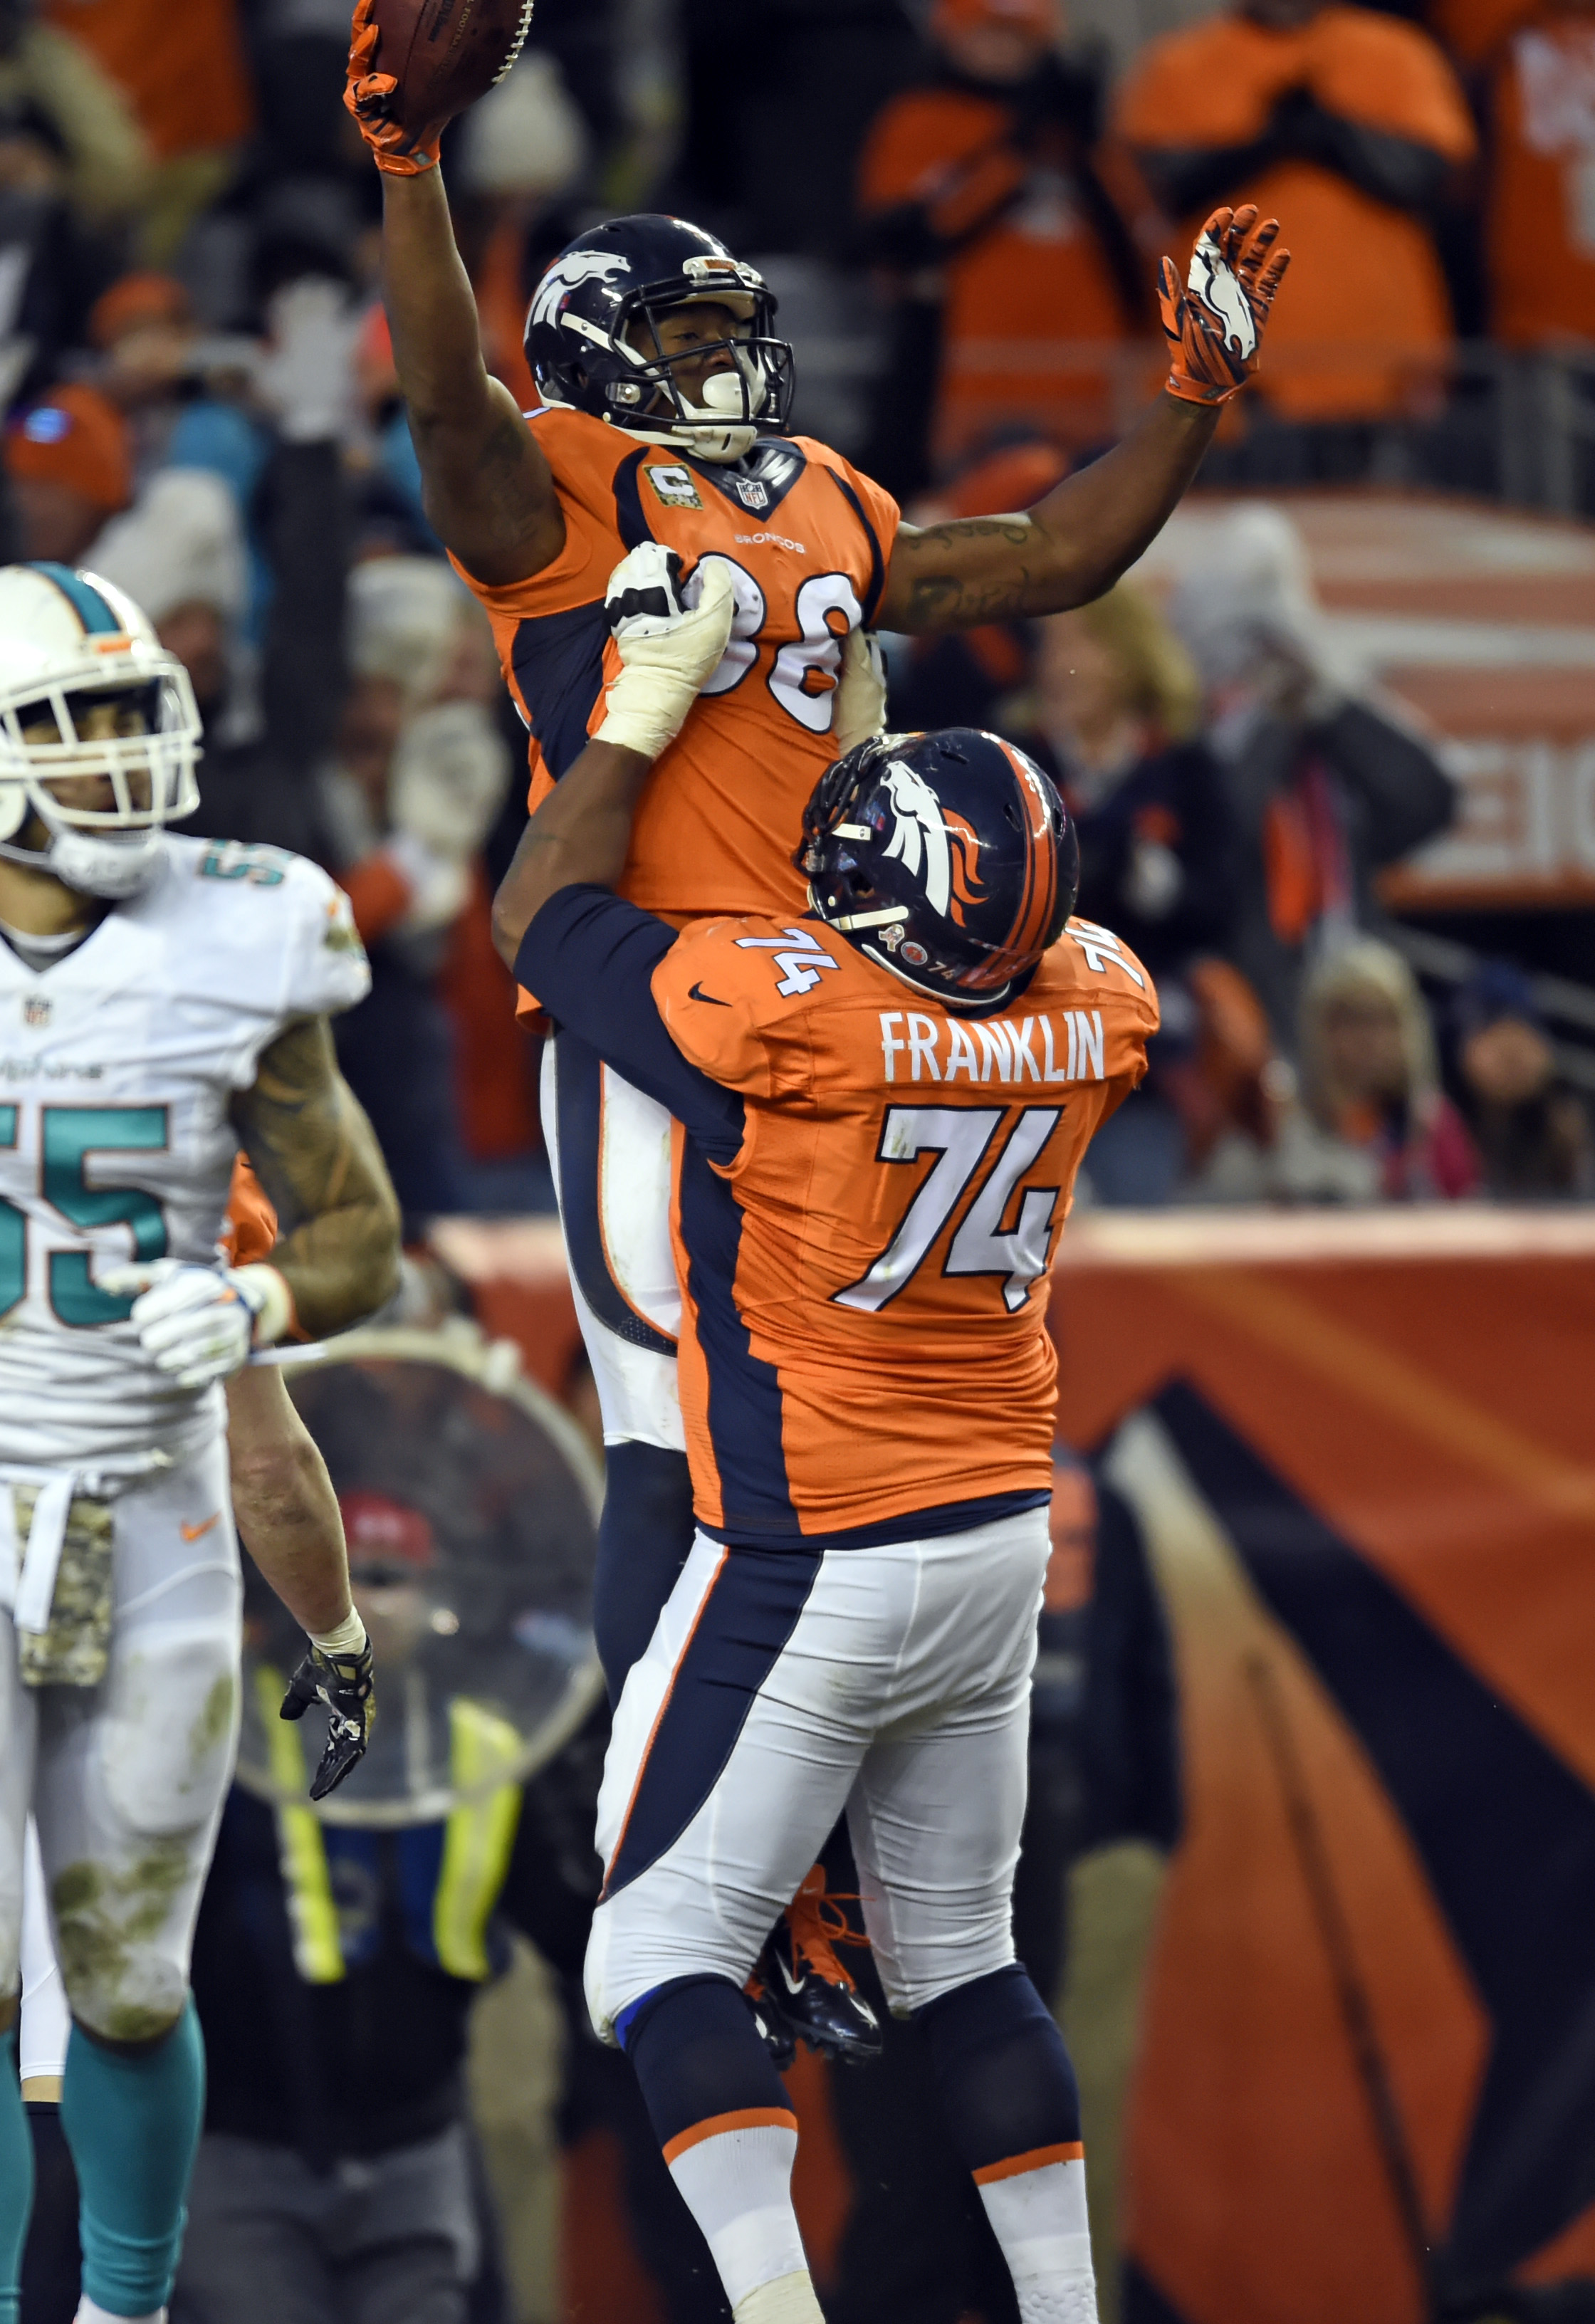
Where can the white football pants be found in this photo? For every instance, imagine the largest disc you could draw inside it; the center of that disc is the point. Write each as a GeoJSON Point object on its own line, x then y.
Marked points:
{"type": "Point", "coordinates": [46, 2021]}
{"type": "Point", "coordinates": [126, 1780]}
{"type": "Point", "coordinates": [779, 1689]}
{"type": "Point", "coordinates": [609, 1147]}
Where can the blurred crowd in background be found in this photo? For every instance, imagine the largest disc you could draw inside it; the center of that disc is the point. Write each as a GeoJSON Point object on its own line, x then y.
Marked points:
{"type": "Point", "coordinates": [959, 205]}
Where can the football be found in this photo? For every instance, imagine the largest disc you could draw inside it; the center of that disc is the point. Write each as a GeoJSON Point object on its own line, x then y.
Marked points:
{"type": "Point", "coordinates": [444, 54]}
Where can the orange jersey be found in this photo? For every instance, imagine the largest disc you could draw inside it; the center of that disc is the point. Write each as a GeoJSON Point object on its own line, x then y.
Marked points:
{"type": "Point", "coordinates": [250, 1230]}
{"type": "Point", "coordinates": [869, 1190]}
{"type": "Point", "coordinates": [808, 539]}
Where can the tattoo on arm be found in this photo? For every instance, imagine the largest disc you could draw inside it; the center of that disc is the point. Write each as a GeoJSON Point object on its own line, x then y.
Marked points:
{"type": "Point", "coordinates": [1066, 550]}
{"type": "Point", "coordinates": [942, 592]}
{"type": "Point", "coordinates": [316, 1157]}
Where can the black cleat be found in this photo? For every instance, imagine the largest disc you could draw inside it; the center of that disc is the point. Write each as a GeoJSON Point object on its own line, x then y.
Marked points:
{"type": "Point", "coordinates": [805, 1994]}
{"type": "Point", "coordinates": [776, 2035]}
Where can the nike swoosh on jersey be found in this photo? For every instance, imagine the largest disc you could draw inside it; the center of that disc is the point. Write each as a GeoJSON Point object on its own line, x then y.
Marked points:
{"type": "Point", "coordinates": [192, 1533]}
{"type": "Point", "coordinates": [696, 992]}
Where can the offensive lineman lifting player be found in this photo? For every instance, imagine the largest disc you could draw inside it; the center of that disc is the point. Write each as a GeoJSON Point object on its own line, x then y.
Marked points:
{"type": "Point", "coordinates": [665, 401]}
{"type": "Point", "coordinates": [880, 1108]}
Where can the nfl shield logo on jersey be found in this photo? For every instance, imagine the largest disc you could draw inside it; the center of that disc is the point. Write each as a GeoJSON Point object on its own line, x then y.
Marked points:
{"type": "Point", "coordinates": [752, 493]}
{"type": "Point", "coordinates": [36, 1009]}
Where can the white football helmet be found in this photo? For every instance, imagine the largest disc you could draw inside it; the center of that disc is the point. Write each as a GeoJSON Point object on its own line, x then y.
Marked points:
{"type": "Point", "coordinates": [69, 643]}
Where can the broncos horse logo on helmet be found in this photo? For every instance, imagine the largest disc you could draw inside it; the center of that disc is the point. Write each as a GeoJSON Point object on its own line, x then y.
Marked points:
{"type": "Point", "coordinates": [947, 858]}
{"type": "Point", "coordinates": [593, 340]}
{"type": "Point", "coordinates": [949, 846]}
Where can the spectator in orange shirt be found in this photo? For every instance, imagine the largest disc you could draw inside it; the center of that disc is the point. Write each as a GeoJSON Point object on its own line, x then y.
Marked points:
{"type": "Point", "coordinates": [53, 91]}
{"type": "Point", "coordinates": [979, 190]}
{"type": "Point", "coordinates": [1349, 123]}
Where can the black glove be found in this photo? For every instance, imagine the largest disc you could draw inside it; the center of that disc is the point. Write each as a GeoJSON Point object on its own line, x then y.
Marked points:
{"type": "Point", "coordinates": [345, 1683]}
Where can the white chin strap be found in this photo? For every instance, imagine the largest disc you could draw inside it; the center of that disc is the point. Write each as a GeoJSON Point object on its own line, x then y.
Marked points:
{"type": "Point", "coordinates": [111, 865]}
{"type": "Point", "coordinates": [110, 868]}
{"type": "Point", "coordinates": [709, 441]}
{"type": "Point", "coordinates": [719, 445]}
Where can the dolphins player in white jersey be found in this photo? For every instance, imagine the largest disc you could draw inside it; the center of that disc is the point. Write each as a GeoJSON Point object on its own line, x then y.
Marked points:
{"type": "Point", "coordinates": [162, 1000]}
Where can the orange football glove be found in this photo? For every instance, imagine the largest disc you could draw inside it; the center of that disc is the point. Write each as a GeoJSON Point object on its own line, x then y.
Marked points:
{"type": "Point", "coordinates": [1215, 324]}
{"type": "Point", "coordinates": [369, 96]}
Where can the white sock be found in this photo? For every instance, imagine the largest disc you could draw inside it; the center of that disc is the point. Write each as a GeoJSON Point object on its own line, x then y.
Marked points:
{"type": "Point", "coordinates": [90, 2312]}
{"type": "Point", "coordinates": [1038, 2214]}
{"type": "Point", "coordinates": [736, 2181]}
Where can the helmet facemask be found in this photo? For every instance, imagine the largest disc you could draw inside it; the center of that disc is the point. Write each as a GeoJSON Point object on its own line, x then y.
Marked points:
{"type": "Point", "coordinates": [722, 423]}
{"type": "Point", "coordinates": [754, 390]}
{"type": "Point", "coordinates": [104, 756]}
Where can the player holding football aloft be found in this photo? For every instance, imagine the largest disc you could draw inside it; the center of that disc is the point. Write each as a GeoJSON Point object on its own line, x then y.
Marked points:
{"type": "Point", "coordinates": [162, 999]}
{"type": "Point", "coordinates": [881, 1103]}
{"type": "Point", "coordinates": [665, 399]}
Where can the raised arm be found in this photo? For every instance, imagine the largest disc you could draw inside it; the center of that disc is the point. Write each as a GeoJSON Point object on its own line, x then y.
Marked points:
{"type": "Point", "coordinates": [316, 1157]}
{"type": "Point", "coordinates": [488, 489]}
{"type": "Point", "coordinates": [1067, 550]}
{"type": "Point", "coordinates": [577, 838]}
{"type": "Point", "coordinates": [489, 492]}
{"type": "Point", "coordinates": [1078, 541]}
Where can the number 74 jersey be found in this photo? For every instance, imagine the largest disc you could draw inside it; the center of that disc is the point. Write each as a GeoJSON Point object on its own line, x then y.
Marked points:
{"type": "Point", "coordinates": [118, 1064]}
{"type": "Point", "coordinates": [864, 1286]}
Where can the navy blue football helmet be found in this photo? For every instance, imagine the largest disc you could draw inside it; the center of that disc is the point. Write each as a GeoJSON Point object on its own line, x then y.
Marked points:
{"type": "Point", "coordinates": [947, 858]}
{"type": "Point", "coordinates": [631, 272]}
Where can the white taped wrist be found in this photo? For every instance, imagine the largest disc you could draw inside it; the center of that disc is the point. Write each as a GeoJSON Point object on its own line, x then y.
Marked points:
{"type": "Point", "coordinates": [664, 660]}
{"type": "Point", "coordinates": [646, 709]}
{"type": "Point", "coordinates": [348, 1638]}
{"type": "Point", "coordinates": [274, 1314]}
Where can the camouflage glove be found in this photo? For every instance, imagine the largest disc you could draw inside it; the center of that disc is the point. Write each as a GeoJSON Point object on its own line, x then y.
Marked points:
{"type": "Point", "coordinates": [345, 1683]}
{"type": "Point", "coordinates": [1215, 323]}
